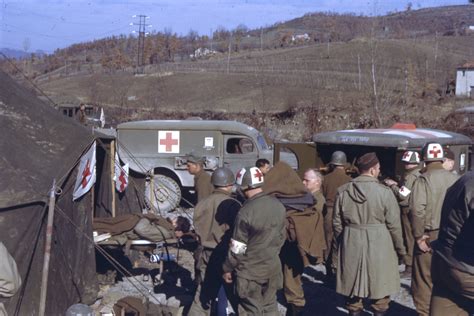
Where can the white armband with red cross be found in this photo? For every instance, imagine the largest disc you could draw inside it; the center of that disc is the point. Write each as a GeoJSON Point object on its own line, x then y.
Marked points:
{"type": "Point", "coordinates": [404, 191]}
{"type": "Point", "coordinates": [237, 247]}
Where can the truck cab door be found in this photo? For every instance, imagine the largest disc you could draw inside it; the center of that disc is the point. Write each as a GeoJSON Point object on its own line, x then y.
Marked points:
{"type": "Point", "coordinates": [239, 151]}
{"type": "Point", "coordinates": [306, 155]}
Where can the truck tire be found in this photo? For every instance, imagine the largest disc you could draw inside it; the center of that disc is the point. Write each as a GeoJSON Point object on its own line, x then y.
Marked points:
{"type": "Point", "coordinates": [166, 194]}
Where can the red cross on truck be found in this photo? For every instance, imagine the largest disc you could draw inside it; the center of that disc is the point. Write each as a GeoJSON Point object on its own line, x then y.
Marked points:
{"type": "Point", "coordinates": [168, 142]}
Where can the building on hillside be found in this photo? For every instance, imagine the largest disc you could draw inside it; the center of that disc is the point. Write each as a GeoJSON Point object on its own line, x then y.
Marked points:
{"type": "Point", "coordinates": [465, 80]}
{"type": "Point", "coordinates": [300, 38]}
{"type": "Point", "coordinates": [73, 110]}
{"type": "Point", "coordinates": [86, 114]}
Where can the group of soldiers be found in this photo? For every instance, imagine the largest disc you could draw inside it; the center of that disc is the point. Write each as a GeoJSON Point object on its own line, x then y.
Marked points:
{"type": "Point", "coordinates": [259, 239]}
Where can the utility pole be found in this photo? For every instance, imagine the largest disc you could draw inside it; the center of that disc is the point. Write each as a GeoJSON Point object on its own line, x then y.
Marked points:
{"type": "Point", "coordinates": [141, 37]}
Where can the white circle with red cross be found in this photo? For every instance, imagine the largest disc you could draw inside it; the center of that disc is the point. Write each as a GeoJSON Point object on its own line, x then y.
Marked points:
{"type": "Point", "coordinates": [411, 157]}
{"type": "Point", "coordinates": [250, 177]}
{"type": "Point", "coordinates": [433, 152]}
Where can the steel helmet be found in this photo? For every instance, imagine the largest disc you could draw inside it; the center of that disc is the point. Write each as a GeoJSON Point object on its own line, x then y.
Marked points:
{"type": "Point", "coordinates": [411, 157]}
{"type": "Point", "coordinates": [249, 178]}
{"type": "Point", "coordinates": [433, 152]}
{"type": "Point", "coordinates": [338, 158]}
{"type": "Point", "coordinates": [222, 177]}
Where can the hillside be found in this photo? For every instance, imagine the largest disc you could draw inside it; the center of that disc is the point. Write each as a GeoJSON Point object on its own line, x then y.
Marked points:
{"type": "Point", "coordinates": [447, 20]}
{"type": "Point", "coordinates": [326, 90]}
{"type": "Point", "coordinates": [293, 90]}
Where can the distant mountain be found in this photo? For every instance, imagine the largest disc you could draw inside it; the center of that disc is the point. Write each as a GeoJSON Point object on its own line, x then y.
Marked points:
{"type": "Point", "coordinates": [18, 54]}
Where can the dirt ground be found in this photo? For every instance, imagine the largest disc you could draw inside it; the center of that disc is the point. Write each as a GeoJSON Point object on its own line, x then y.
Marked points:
{"type": "Point", "coordinates": [170, 292]}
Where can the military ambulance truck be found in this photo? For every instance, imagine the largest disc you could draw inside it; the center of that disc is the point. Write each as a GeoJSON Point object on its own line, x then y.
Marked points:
{"type": "Point", "coordinates": [388, 143]}
{"type": "Point", "coordinates": [159, 149]}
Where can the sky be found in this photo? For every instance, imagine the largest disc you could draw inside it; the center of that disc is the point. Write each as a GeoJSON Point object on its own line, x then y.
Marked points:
{"type": "Point", "coordinates": [31, 25]}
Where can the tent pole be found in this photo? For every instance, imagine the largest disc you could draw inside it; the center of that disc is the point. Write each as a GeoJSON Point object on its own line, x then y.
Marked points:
{"type": "Point", "coordinates": [47, 249]}
{"type": "Point", "coordinates": [112, 174]}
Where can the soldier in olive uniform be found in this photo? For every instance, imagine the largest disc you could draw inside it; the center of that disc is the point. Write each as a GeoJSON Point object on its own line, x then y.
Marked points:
{"type": "Point", "coordinates": [202, 180]}
{"type": "Point", "coordinates": [426, 202]}
{"type": "Point", "coordinates": [411, 160]}
{"type": "Point", "coordinates": [259, 233]}
{"type": "Point", "coordinates": [332, 181]}
{"type": "Point", "coordinates": [213, 218]}
{"type": "Point", "coordinates": [305, 241]}
{"type": "Point", "coordinates": [203, 188]}
{"type": "Point", "coordinates": [369, 234]}
{"type": "Point", "coordinates": [312, 180]}
{"type": "Point", "coordinates": [453, 258]}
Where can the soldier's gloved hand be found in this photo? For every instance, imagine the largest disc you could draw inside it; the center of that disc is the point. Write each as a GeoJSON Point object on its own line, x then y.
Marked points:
{"type": "Point", "coordinates": [227, 276]}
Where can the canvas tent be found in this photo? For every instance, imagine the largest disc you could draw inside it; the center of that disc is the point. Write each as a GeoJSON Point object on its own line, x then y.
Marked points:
{"type": "Point", "coordinates": [38, 145]}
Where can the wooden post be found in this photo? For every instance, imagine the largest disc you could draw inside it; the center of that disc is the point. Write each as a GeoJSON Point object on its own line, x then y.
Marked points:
{"type": "Point", "coordinates": [47, 249]}
{"type": "Point", "coordinates": [112, 174]}
{"type": "Point", "coordinates": [152, 193]}
{"type": "Point", "coordinates": [93, 202]}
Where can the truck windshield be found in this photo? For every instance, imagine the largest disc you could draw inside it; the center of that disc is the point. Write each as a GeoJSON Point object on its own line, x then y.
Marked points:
{"type": "Point", "coordinates": [261, 142]}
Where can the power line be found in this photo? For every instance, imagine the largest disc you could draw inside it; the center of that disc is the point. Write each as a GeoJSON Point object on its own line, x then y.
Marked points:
{"type": "Point", "coordinates": [141, 37]}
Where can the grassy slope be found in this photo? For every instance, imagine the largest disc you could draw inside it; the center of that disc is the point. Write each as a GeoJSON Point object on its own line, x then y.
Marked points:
{"type": "Point", "coordinates": [301, 79]}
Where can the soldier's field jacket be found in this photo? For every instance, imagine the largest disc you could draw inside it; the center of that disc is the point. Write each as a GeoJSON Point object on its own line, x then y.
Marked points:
{"type": "Point", "coordinates": [202, 185]}
{"type": "Point", "coordinates": [403, 192]}
{"type": "Point", "coordinates": [427, 198]}
{"type": "Point", "coordinates": [260, 226]}
{"type": "Point", "coordinates": [456, 235]}
{"type": "Point", "coordinates": [213, 216]}
{"type": "Point", "coordinates": [304, 219]}
{"type": "Point", "coordinates": [332, 181]}
{"type": "Point", "coordinates": [367, 226]}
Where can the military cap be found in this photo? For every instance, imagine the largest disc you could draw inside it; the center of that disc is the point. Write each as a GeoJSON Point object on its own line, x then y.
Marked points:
{"type": "Point", "coordinates": [367, 161]}
{"type": "Point", "coordinates": [192, 158]}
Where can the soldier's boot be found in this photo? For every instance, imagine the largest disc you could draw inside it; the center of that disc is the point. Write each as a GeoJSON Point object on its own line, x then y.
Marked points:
{"type": "Point", "coordinates": [293, 310]}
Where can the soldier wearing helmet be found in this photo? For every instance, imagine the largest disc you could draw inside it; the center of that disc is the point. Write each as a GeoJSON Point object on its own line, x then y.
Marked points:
{"type": "Point", "coordinates": [253, 261]}
{"type": "Point", "coordinates": [214, 219]}
{"type": "Point", "coordinates": [332, 181]}
{"type": "Point", "coordinates": [426, 201]}
{"type": "Point", "coordinates": [402, 190]}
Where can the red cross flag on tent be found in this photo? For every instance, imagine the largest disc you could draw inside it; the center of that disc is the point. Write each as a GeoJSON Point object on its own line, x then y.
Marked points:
{"type": "Point", "coordinates": [168, 142]}
{"type": "Point", "coordinates": [121, 175]}
{"type": "Point", "coordinates": [86, 173]}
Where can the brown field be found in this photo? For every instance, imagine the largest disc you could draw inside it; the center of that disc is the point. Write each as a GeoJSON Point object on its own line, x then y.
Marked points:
{"type": "Point", "coordinates": [293, 91]}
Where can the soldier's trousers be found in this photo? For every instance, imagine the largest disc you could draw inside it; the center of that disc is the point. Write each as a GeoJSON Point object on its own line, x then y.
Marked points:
{"type": "Point", "coordinates": [355, 304]}
{"type": "Point", "coordinates": [257, 297]}
{"type": "Point", "coordinates": [407, 236]}
{"type": "Point", "coordinates": [453, 290]}
{"type": "Point", "coordinates": [293, 268]}
{"type": "Point", "coordinates": [328, 232]}
{"type": "Point", "coordinates": [209, 285]}
{"type": "Point", "coordinates": [421, 283]}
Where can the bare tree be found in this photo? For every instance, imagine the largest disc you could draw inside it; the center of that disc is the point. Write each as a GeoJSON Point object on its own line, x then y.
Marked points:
{"type": "Point", "coordinates": [238, 33]}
